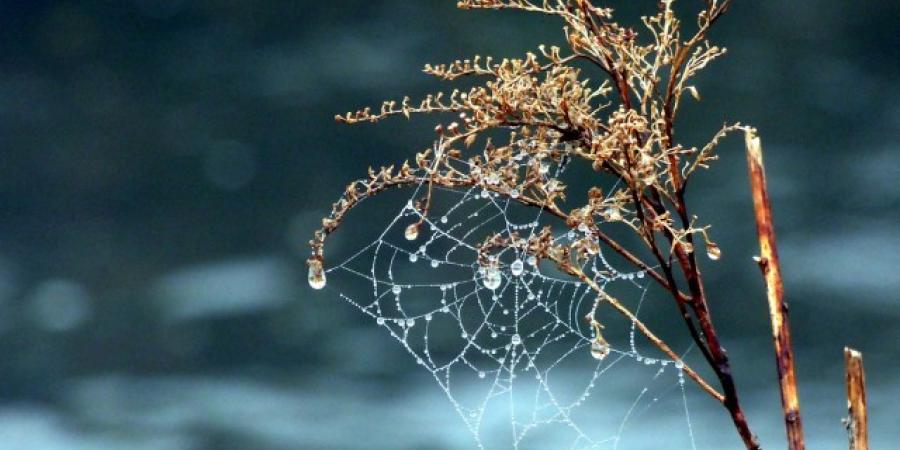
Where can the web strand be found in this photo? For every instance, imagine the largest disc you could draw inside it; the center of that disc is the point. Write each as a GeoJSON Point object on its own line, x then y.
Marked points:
{"type": "Point", "coordinates": [511, 342]}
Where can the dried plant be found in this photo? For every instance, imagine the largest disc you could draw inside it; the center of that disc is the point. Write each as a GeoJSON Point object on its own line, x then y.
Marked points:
{"type": "Point", "coordinates": [622, 127]}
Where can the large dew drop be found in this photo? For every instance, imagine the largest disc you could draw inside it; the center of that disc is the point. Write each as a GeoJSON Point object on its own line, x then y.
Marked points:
{"type": "Point", "coordinates": [599, 349]}
{"type": "Point", "coordinates": [492, 278]}
{"type": "Point", "coordinates": [613, 214]}
{"type": "Point", "coordinates": [713, 251]}
{"type": "Point", "coordinates": [412, 232]}
{"type": "Point", "coordinates": [517, 267]}
{"type": "Point", "coordinates": [316, 274]}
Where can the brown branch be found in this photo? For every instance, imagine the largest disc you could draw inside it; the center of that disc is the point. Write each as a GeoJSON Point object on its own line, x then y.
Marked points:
{"type": "Point", "coordinates": [857, 422]}
{"type": "Point", "coordinates": [721, 365]}
{"type": "Point", "coordinates": [715, 352]}
{"type": "Point", "coordinates": [778, 309]}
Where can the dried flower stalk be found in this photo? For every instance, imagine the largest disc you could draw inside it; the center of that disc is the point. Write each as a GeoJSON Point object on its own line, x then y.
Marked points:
{"type": "Point", "coordinates": [622, 127]}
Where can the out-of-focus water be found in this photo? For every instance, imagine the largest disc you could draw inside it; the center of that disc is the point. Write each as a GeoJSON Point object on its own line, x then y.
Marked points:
{"type": "Point", "coordinates": [164, 163]}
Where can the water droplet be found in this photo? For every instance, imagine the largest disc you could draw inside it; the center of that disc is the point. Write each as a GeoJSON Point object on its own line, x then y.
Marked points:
{"type": "Point", "coordinates": [679, 364]}
{"type": "Point", "coordinates": [517, 267]}
{"type": "Point", "coordinates": [713, 251]}
{"type": "Point", "coordinates": [514, 193]}
{"type": "Point", "coordinates": [613, 214]}
{"type": "Point", "coordinates": [444, 219]}
{"type": "Point", "coordinates": [428, 317]}
{"type": "Point", "coordinates": [492, 278]}
{"type": "Point", "coordinates": [494, 334]}
{"type": "Point", "coordinates": [410, 322]}
{"type": "Point", "coordinates": [412, 232]}
{"type": "Point", "coordinates": [380, 321]}
{"type": "Point", "coordinates": [493, 178]}
{"type": "Point", "coordinates": [532, 260]}
{"type": "Point", "coordinates": [640, 274]}
{"type": "Point", "coordinates": [481, 374]}
{"type": "Point", "coordinates": [516, 339]}
{"type": "Point", "coordinates": [599, 349]}
{"type": "Point", "coordinates": [485, 194]}
{"type": "Point", "coordinates": [544, 168]}
{"type": "Point", "coordinates": [396, 289]}
{"type": "Point", "coordinates": [413, 257]}
{"type": "Point", "coordinates": [316, 274]}
{"type": "Point", "coordinates": [435, 263]}
{"type": "Point", "coordinates": [583, 227]}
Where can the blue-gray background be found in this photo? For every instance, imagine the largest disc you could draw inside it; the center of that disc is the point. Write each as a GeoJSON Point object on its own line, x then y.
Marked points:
{"type": "Point", "coordinates": [163, 163]}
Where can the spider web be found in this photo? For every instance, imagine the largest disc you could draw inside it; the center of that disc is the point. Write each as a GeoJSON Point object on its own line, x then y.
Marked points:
{"type": "Point", "coordinates": [513, 357]}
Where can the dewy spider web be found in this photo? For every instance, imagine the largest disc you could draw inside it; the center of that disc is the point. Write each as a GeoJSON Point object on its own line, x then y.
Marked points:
{"type": "Point", "coordinates": [508, 344]}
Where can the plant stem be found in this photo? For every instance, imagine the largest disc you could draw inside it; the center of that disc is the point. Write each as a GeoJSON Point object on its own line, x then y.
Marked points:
{"type": "Point", "coordinates": [715, 353]}
{"type": "Point", "coordinates": [857, 422]}
{"type": "Point", "coordinates": [721, 365]}
{"type": "Point", "coordinates": [778, 309]}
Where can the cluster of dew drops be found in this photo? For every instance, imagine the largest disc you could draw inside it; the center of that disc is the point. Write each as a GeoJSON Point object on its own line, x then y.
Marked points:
{"type": "Point", "coordinates": [490, 275]}
{"type": "Point", "coordinates": [489, 272]}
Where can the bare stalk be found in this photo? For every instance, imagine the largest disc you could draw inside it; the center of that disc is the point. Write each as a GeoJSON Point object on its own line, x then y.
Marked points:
{"type": "Point", "coordinates": [857, 422]}
{"type": "Point", "coordinates": [778, 309]}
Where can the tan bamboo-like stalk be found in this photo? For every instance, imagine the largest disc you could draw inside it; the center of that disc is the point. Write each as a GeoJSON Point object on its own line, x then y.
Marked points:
{"type": "Point", "coordinates": [858, 421]}
{"type": "Point", "coordinates": [778, 309]}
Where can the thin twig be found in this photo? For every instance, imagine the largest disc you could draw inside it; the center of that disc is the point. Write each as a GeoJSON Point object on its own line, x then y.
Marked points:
{"type": "Point", "coordinates": [857, 422]}
{"type": "Point", "coordinates": [778, 309]}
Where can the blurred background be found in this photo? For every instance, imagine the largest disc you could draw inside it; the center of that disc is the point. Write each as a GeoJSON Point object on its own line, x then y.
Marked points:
{"type": "Point", "coordinates": [163, 163]}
